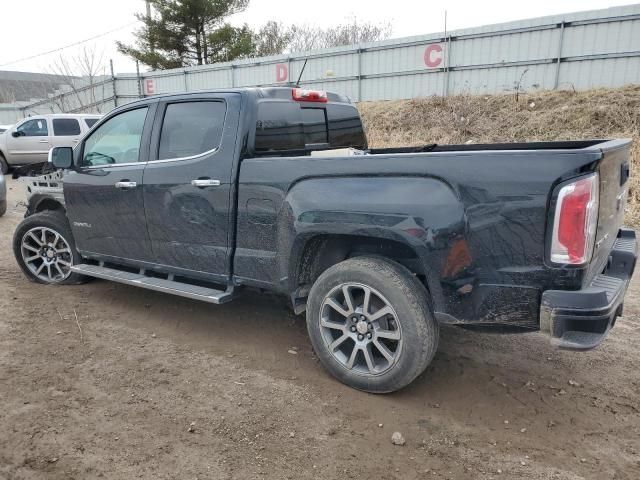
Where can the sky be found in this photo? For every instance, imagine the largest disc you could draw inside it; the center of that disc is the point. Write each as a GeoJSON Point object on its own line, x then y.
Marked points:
{"type": "Point", "coordinates": [47, 25]}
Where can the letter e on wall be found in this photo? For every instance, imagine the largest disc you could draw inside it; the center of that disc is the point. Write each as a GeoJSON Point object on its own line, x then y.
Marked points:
{"type": "Point", "coordinates": [149, 86]}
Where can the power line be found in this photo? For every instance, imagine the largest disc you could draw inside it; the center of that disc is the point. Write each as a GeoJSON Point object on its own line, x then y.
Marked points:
{"type": "Point", "coordinates": [75, 44]}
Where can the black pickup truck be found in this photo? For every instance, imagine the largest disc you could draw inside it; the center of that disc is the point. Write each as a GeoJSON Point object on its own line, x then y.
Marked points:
{"type": "Point", "coordinates": [200, 194]}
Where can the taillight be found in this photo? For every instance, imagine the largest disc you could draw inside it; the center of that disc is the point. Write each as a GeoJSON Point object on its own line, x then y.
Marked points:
{"type": "Point", "coordinates": [575, 222]}
{"type": "Point", "coordinates": [301, 95]}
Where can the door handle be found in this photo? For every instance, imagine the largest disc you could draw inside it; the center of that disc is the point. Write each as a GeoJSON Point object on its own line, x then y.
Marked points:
{"type": "Point", "coordinates": [43, 141]}
{"type": "Point", "coordinates": [205, 182]}
{"type": "Point", "coordinates": [126, 185]}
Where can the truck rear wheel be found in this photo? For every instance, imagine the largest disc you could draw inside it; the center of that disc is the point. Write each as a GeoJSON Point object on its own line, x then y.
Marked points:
{"type": "Point", "coordinates": [371, 324]}
{"type": "Point", "coordinates": [45, 250]}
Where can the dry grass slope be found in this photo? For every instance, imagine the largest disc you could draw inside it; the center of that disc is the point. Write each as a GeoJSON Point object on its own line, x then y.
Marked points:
{"type": "Point", "coordinates": [561, 115]}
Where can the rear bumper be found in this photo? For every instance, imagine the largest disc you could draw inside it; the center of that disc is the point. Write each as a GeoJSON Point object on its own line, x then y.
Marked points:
{"type": "Point", "coordinates": [581, 319]}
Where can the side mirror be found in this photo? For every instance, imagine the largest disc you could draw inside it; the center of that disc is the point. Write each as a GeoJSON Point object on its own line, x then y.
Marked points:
{"type": "Point", "coordinates": [61, 157]}
{"type": "Point", "coordinates": [16, 134]}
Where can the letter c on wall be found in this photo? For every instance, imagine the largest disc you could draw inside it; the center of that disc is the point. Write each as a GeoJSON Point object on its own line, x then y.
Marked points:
{"type": "Point", "coordinates": [433, 55]}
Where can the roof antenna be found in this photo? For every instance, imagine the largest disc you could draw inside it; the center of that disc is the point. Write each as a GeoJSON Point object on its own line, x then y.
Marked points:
{"type": "Point", "coordinates": [301, 72]}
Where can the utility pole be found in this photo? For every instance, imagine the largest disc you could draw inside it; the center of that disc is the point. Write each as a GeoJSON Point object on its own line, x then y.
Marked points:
{"type": "Point", "coordinates": [148, 20]}
{"type": "Point", "coordinates": [113, 84]}
{"type": "Point", "coordinates": [447, 43]}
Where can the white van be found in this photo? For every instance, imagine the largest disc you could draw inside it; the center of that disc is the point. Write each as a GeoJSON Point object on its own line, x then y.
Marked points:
{"type": "Point", "coordinates": [29, 141]}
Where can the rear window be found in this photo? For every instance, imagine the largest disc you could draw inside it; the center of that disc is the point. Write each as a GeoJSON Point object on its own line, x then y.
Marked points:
{"type": "Point", "coordinates": [91, 121]}
{"type": "Point", "coordinates": [314, 126]}
{"type": "Point", "coordinates": [65, 127]}
{"type": "Point", "coordinates": [283, 126]}
{"type": "Point", "coordinates": [345, 127]}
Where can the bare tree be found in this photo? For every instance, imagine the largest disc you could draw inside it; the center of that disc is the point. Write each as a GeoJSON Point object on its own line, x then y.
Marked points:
{"type": "Point", "coordinates": [80, 75]}
{"type": "Point", "coordinates": [303, 38]}
{"type": "Point", "coordinates": [271, 39]}
{"type": "Point", "coordinates": [16, 89]}
{"type": "Point", "coordinates": [7, 95]}
{"type": "Point", "coordinates": [352, 32]}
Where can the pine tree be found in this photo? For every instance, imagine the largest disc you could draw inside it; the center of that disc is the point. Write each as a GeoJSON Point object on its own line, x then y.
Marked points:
{"type": "Point", "coordinates": [178, 33]}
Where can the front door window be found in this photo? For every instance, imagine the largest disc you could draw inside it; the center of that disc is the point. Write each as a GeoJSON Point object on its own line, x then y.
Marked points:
{"type": "Point", "coordinates": [117, 141]}
{"type": "Point", "coordinates": [34, 128]}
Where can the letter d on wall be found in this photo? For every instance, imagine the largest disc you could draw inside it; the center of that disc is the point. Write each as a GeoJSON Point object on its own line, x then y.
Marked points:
{"type": "Point", "coordinates": [282, 72]}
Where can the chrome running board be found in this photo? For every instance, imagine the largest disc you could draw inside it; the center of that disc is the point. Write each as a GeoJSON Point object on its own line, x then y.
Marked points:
{"type": "Point", "coordinates": [173, 287]}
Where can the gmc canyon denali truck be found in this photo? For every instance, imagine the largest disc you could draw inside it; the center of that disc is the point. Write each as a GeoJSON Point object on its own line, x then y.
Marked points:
{"type": "Point", "coordinates": [200, 194]}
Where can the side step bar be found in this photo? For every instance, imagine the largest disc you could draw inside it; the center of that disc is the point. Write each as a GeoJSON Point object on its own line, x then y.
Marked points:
{"type": "Point", "coordinates": [187, 290]}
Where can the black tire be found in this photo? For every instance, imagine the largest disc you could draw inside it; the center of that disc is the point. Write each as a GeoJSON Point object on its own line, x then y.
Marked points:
{"type": "Point", "coordinates": [56, 222]}
{"type": "Point", "coordinates": [4, 166]}
{"type": "Point", "coordinates": [409, 301]}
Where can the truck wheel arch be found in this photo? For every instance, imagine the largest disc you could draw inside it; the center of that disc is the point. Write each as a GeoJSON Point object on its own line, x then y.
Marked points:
{"type": "Point", "coordinates": [315, 254]}
{"type": "Point", "coordinates": [39, 203]}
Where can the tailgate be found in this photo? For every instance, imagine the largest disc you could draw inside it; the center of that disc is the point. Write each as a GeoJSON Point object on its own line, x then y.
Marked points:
{"type": "Point", "coordinates": [613, 168]}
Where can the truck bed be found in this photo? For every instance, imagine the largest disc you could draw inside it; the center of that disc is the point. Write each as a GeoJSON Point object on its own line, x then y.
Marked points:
{"type": "Point", "coordinates": [474, 217]}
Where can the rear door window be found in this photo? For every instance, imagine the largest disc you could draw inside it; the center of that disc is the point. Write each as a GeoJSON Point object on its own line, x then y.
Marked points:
{"type": "Point", "coordinates": [191, 128]}
{"type": "Point", "coordinates": [65, 127]}
{"type": "Point", "coordinates": [91, 121]}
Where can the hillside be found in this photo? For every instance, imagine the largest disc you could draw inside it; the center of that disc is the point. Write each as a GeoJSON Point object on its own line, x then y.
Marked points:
{"type": "Point", "coordinates": [24, 86]}
{"type": "Point", "coordinates": [562, 115]}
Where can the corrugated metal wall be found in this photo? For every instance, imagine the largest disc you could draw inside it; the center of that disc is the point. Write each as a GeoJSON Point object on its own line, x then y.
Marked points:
{"type": "Point", "coordinates": [579, 51]}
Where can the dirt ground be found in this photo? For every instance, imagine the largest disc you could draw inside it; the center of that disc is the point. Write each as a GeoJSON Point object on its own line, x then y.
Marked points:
{"type": "Point", "coordinates": [114, 393]}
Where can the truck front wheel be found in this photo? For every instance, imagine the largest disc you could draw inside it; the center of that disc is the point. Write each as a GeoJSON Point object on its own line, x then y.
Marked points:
{"type": "Point", "coordinates": [4, 166]}
{"type": "Point", "coordinates": [371, 324]}
{"type": "Point", "coordinates": [45, 250]}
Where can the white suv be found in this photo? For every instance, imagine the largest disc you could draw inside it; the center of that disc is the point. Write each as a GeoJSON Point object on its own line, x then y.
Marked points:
{"type": "Point", "coordinates": [29, 141]}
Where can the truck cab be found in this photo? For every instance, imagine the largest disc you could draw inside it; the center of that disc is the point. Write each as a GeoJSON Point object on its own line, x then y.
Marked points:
{"type": "Point", "coordinates": [161, 174]}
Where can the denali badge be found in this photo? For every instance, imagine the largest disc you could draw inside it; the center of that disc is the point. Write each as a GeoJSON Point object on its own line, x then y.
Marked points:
{"type": "Point", "coordinates": [81, 225]}
{"type": "Point", "coordinates": [599, 242]}
{"type": "Point", "coordinates": [619, 200]}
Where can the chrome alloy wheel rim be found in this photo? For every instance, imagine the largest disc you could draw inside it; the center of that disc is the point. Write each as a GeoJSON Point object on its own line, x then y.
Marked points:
{"type": "Point", "coordinates": [360, 329]}
{"type": "Point", "coordinates": [47, 254]}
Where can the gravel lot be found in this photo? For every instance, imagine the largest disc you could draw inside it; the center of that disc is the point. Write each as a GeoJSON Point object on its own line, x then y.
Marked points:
{"type": "Point", "coordinates": [145, 385]}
